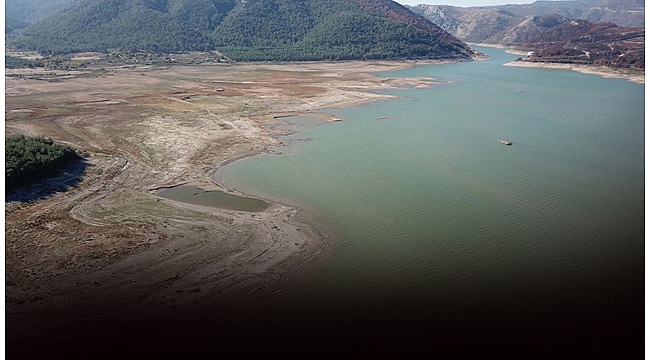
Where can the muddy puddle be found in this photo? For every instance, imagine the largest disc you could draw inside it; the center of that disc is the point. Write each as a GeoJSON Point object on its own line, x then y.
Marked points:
{"type": "Point", "coordinates": [218, 199]}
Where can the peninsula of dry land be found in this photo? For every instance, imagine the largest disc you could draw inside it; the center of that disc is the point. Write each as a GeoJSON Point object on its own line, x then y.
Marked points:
{"type": "Point", "coordinates": [107, 256]}
{"type": "Point", "coordinates": [635, 76]}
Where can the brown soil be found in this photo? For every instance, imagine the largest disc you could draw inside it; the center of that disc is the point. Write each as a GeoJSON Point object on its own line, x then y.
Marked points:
{"type": "Point", "coordinates": [107, 247]}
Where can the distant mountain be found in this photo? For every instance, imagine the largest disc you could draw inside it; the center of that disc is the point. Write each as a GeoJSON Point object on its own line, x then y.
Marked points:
{"type": "Point", "coordinates": [470, 24]}
{"type": "Point", "coordinates": [552, 29]}
{"type": "Point", "coordinates": [21, 13]}
{"type": "Point", "coordinates": [620, 12]}
{"type": "Point", "coordinates": [527, 29]}
{"type": "Point", "coordinates": [245, 30]}
{"type": "Point", "coordinates": [31, 11]}
{"type": "Point", "coordinates": [583, 42]}
{"type": "Point", "coordinates": [571, 9]}
{"type": "Point", "coordinates": [12, 24]}
{"type": "Point", "coordinates": [515, 24]}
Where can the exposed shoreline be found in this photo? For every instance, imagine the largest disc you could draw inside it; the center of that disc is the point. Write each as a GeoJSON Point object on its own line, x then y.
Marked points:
{"type": "Point", "coordinates": [158, 128]}
{"type": "Point", "coordinates": [602, 71]}
{"type": "Point", "coordinates": [113, 258]}
{"type": "Point", "coordinates": [507, 49]}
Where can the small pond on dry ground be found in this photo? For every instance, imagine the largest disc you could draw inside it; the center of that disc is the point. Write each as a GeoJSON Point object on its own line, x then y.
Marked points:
{"type": "Point", "coordinates": [218, 199]}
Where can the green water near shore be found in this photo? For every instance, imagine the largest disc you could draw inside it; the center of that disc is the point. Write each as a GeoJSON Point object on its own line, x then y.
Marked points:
{"type": "Point", "coordinates": [217, 199]}
{"type": "Point", "coordinates": [436, 222]}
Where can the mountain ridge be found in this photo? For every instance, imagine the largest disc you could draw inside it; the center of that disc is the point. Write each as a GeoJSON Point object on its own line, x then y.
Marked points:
{"type": "Point", "coordinates": [514, 24]}
{"type": "Point", "coordinates": [551, 31]}
{"type": "Point", "coordinates": [251, 30]}
{"type": "Point", "coordinates": [19, 14]}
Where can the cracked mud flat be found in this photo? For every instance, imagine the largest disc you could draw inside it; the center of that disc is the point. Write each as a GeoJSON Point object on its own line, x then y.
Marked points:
{"type": "Point", "coordinates": [106, 262]}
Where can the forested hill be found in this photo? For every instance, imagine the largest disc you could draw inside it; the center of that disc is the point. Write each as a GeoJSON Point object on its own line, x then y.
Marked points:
{"type": "Point", "coordinates": [244, 30]}
{"type": "Point", "coordinates": [99, 25]}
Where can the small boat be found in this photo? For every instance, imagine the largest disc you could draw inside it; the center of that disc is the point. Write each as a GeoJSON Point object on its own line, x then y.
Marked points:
{"type": "Point", "coordinates": [505, 142]}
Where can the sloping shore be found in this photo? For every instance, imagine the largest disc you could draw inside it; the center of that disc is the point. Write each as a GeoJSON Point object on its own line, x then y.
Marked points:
{"type": "Point", "coordinates": [603, 71]}
{"type": "Point", "coordinates": [107, 259]}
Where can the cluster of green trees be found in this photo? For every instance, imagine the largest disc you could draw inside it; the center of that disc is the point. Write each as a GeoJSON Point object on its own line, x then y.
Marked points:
{"type": "Point", "coordinates": [254, 30]}
{"type": "Point", "coordinates": [14, 62]}
{"type": "Point", "coordinates": [31, 158]}
{"type": "Point", "coordinates": [59, 62]}
{"type": "Point", "coordinates": [147, 58]}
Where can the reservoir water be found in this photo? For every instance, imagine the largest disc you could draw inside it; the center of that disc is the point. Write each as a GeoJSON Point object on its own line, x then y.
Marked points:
{"type": "Point", "coordinates": [438, 233]}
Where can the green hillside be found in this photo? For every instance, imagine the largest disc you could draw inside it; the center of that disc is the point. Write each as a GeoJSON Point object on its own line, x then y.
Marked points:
{"type": "Point", "coordinates": [100, 25]}
{"type": "Point", "coordinates": [333, 30]}
{"type": "Point", "coordinates": [251, 30]}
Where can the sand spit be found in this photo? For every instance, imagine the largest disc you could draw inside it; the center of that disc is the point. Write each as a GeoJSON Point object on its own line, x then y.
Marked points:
{"type": "Point", "coordinates": [105, 253]}
{"type": "Point", "coordinates": [605, 72]}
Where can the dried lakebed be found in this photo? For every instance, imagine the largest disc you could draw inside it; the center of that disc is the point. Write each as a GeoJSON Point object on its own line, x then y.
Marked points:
{"type": "Point", "coordinates": [109, 260]}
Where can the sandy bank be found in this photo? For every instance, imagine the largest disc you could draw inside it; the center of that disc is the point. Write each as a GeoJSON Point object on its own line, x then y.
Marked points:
{"type": "Point", "coordinates": [497, 46]}
{"type": "Point", "coordinates": [507, 49]}
{"type": "Point", "coordinates": [605, 72]}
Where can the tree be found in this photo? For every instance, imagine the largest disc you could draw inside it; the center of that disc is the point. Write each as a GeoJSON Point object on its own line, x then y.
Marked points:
{"type": "Point", "coordinates": [32, 158]}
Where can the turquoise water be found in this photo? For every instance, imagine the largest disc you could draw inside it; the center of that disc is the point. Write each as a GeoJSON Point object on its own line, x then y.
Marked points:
{"type": "Point", "coordinates": [432, 224]}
